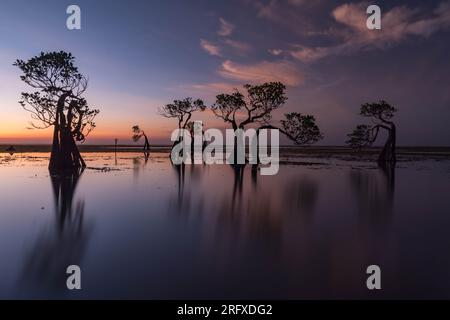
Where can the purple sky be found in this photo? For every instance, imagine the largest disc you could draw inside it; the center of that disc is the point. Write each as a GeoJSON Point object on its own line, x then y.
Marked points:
{"type": "Point", "coordinates": [140, 55]}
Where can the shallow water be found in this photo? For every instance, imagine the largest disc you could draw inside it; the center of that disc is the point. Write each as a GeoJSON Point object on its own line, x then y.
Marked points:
{"type": "Point", "coordinates": [146, 229]}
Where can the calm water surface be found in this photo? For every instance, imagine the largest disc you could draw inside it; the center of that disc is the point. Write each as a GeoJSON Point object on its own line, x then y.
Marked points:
{"type": "Point", "coordinates": [145, 229]}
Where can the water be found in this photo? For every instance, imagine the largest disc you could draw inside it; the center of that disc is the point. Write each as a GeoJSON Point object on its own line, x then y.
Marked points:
{"type": "Point", "coordinates": [146, 229]}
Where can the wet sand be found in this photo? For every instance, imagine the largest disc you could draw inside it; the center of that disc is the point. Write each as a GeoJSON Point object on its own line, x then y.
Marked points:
{"type": "Point", "coordinates": [316, 151]}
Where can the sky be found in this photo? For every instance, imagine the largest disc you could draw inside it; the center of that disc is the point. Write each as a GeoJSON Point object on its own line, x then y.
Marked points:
{"type": "Point", "coordinates": [140, 55]}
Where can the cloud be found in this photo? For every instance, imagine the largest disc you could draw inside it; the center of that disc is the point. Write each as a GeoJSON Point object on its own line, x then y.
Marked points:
{"type": "Point", "coordinates": [226, 46]}
{"type": "Point", "coordinates": [226, 28]}
{"type": "Point", "coordinates": [241, 48]}
{"type": "Point", "coordinates": [284, 71]}
{"type": "Point", "coordinates": [294, 15]}
{"type": "Point", "coordinates": [208, 90]}
{"type": "Point", "coordinates": [211, 48]}
{"type": "Point", "coordinates": [275, 52]}
{"type": "Point", "coordinates": [397, 25]}
{"type": "Point", "coordinates": [212, 88]}
{"type": "Point", "coordinates": [306, 54]}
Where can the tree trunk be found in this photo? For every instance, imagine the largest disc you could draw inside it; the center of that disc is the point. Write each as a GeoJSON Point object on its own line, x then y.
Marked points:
{"type": "Point", "coordinates": [146, 144]}
{"type": "Point", "coordinates": [256, 165]}
{"type": "Point", "coordinates": [55, 157]}
{"type": "Point", "coordinates": [388, 153]}
{"type": "Point", "coordinates": [192, 150]}
{"type": "Point", "coordinates": [65, 156]}
{"type": "Point", "coordinates": [78, 159]}
{"type": "Point", "coordinates": [393, 144]}
{"type": "Point", "coordinates": [235, 146]}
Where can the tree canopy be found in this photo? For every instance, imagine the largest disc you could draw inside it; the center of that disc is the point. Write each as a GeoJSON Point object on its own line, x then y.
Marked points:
{"type": "Point", "coordinates": [137, 133]}
{"type": "Point", "coordinates": [362, 136]}
{"type": "Point", "coordinates": [256, 107]}
{"type": "Point", "coordinates": [57, 80]}
{"type": "Point", "coordinates": [301, 129]}
{"type": "Point", "coordinates": [182, 110]}
{"type": "Point", "coordinates": [381, 111]}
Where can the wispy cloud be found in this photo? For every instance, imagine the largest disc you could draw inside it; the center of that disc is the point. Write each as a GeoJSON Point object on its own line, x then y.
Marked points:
{"type": "Point", "coordinates": [284, 71]}
{"type": "Point", "coordinates": [239, 47]}
{"type": "Point", "coordinates": [226, 28]}
{"type": "Point", "coordinates": [211, 48]}
{"type": "Point", "coordinates": [397, 25]}
{"type": "Point", "coordinates": [210, 89]}
{"type": "Point", "coordinates": [295, 15]}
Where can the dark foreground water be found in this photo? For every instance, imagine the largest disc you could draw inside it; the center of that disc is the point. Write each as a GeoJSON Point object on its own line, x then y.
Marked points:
{"type": "Point", "coordinates": [147, 229]}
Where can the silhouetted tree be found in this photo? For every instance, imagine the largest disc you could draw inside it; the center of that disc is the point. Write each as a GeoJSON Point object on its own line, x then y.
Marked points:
{"type": "Point", "coordinates": [63, 244]}
{"type": "Point", "coordinates": [381, 114]}
{"type": "Point", "coordinates": [361, 137]}
{"type": "Point", "coordinates": [301, 129]}
{"type": "Point", "coordinates": [191, 128]}
{"type": "Point", "coordinates": [138, 134]}
{"type": "Point", "coordinates": [182, 110]}
{"type": "Point", "coordinates": [257, 108]}
{"type": "Point", "coordinates": [58, 102]}
{"type": "Point", "coordinates": [261, 101]}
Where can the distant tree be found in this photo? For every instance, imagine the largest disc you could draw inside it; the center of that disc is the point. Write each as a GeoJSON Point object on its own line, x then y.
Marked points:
{"type": "Point", "coordinates": [58, 102]}
{"type": "Point", "coordinates": [257, 107]}
{"type": "Point", "coordinates": [301, 129]}
{"type": "Point", "coordinates": [380, 114]}
{"type": "Point", "coordinates": [138, 134]}
{"type": "Point", "coordinates": [182, 110]}
{"type": "Point", "coordinates": [191, 128]}
{"type": "Point", "coordinates": [361, 137]}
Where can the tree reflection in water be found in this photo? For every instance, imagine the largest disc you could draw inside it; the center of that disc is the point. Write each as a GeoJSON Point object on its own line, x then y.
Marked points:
{"type": "Point", "coordinates": [300, 196]}
{"type": "Point", "coordinates": [61, 244]}
{"type": "Point", "coordinates": [237, 214]}
{"type": "Point", "coordinates": [187, 201]}
{"type": "Point", "coordinates": [374, 191]}
{"type": "Point", "coordinates": [138, 165]}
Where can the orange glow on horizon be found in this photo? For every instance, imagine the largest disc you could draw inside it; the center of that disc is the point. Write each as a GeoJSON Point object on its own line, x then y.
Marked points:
{"type": "Point", "coordinates": [109, 127]}
{"type": "Point", "coordinates": [45, 136]}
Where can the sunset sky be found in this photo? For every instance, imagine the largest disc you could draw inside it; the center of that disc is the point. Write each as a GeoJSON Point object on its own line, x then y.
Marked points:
{"type": "Point", "coordinates": [140, 55]}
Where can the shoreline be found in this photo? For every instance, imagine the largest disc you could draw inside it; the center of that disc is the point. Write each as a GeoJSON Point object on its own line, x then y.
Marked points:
{"type": "Point", "coordinates": [294, 150]}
